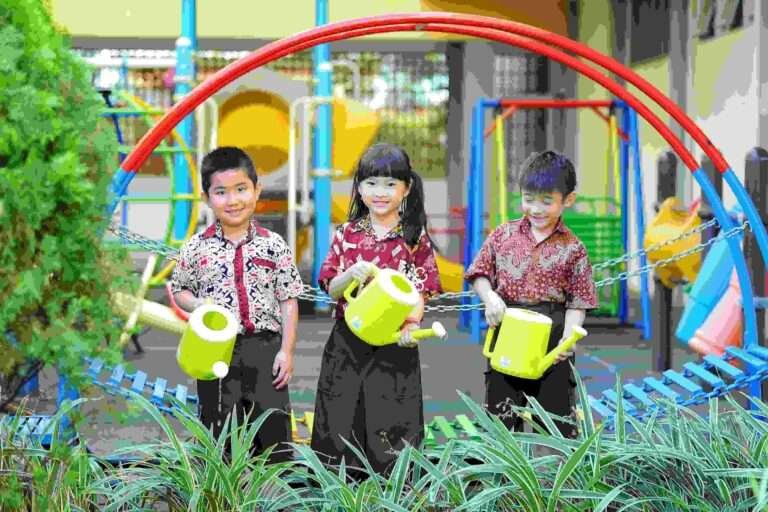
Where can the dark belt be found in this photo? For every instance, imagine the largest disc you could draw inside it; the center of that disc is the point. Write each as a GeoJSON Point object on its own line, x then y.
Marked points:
{"type": "Point", "coordinates": [546, 308]}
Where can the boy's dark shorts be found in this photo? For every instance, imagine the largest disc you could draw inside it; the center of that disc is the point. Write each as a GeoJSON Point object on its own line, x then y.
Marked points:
{"type": "Point", "coordinates": [248, 388]}
{"type": "Point", "coordinates": [555, 390]}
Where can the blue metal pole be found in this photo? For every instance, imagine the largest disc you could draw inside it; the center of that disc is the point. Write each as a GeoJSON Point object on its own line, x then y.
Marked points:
{"type": "Point", "coordinates": [477, 155]}
{"type": "Point", "coordinates": [758, 230]}
{"type": "Point", "coordinates": [645, 298]}
{"type": "Point", "coordinates": [185, 74]}
{"type": "Point", "coordinates": [623, 166]}
{"type": "Point", "coordinates": [321, 153]}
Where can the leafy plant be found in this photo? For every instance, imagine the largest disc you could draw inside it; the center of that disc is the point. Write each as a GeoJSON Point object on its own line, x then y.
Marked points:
{"type": "Point", "coordinates": [56, 161]}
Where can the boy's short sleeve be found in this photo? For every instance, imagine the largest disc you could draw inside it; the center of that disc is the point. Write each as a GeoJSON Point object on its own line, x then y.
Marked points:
{"type": "Point", "coordinates": [484, 264]}
{"type": "Point", "coordinates": [334, 263]}
{"type": "Point", "coordinates": [288, 284]}
{"type": "Point", "coordinates": [425, 266]}
{"type": "Point", "coordinates": [580, 292]}
{"type": "Point", "coordinates": [184, 276]}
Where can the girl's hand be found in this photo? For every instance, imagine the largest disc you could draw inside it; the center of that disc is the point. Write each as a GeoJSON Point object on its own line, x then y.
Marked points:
{"type": "Point", "coordinates": [494, 309]}
{"type": "Point", "coordinates": [405, 340]}
{"type": "Point", "coordinates": [283, 368]}
{"type": "Point", "coordinates": [361, 270]}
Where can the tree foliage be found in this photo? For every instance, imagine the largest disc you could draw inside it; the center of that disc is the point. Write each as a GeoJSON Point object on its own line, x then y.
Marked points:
{"type": "Point", "coordinates": [56, 163]}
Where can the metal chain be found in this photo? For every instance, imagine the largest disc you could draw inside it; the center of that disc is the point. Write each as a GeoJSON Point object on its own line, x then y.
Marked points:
{"type": "Point", "coordinates": [314, 294]}
{"type": "Point", "coordinates": [659, 245]}
{"type": "Point", "coordinates": [693, 250]}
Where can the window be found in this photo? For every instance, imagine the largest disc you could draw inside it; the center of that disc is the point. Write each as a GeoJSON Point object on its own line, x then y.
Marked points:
{"type": "Point", "coordinates": [649, 31]}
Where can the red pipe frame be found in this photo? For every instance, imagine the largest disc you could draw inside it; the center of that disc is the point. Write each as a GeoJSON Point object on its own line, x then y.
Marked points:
{"type": "Point", "coordinates": [513, 104]}
{"type": "Point", "coordinates": [476, 26]}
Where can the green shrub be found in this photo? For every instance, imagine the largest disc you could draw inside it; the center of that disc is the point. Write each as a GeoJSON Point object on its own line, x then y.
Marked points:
{"type": "Point", "coordinates": [55, 168]}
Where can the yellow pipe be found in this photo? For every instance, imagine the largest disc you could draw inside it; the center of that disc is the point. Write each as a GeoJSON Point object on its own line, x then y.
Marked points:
{"type": "Point", "coordinates": [125, 335]}
{"type": "Point", "coordinates": [614, 141]}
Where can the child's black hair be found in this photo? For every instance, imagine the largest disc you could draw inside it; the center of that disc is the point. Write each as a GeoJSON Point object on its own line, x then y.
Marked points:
{"type": "Point", "coordinates": [391, 161]}
{"type": "Point", "coordinates": [223, 159]}
{"type": "Point", "coordinates": [548, 171]}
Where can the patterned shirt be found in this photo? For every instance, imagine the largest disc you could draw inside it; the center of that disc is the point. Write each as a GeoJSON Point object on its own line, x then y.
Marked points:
{"type": "Point", "coordinates": [356, 241]}
{"type": "Point", "coordinates": [522, 270]}
{"type": "Point", "coordinates": [249, 278]}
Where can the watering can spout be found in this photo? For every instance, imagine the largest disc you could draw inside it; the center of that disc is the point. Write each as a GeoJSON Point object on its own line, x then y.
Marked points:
{"type": "Point", "coordinates": [565, 346]}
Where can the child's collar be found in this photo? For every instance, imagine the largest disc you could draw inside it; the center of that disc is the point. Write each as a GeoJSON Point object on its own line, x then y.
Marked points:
{"type": "Point", "coordinates": [254, 230]}
{"type": "Point", "coordinates": [364, 224]}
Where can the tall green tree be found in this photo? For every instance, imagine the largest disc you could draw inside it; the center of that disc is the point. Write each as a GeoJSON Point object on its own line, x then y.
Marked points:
{"type": "Point", "coordinates": [56, 163]}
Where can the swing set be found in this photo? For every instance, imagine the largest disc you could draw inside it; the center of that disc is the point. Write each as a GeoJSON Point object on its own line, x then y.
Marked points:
{"type": "Point", "coordinates": [605, 233]}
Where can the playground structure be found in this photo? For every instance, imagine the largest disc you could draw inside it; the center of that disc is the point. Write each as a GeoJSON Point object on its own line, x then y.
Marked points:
{"type": "Point", "coordinates": [634, 398]}
{"type": "Point", "coordinates": [595, 230]}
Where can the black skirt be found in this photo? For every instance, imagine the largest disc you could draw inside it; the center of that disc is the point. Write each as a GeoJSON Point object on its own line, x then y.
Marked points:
{"type": "Point", "coordinates": [555, 390]}
{"type": "Point", "coordinates": [370, 396]}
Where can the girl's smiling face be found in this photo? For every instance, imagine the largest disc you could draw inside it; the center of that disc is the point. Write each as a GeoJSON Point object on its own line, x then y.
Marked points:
{"type": "Point", "coordinates": [383, 195]}
{"type": "Point", "coordinates": [232, 196]}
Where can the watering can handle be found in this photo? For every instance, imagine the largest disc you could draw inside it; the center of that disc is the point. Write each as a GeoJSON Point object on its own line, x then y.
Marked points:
{"type": "Point", "coordinates": [437, 330]}
{"type": "Point", "coordinates": [565, 346]}
{"type": "Point", "coordinates": [354, 284]}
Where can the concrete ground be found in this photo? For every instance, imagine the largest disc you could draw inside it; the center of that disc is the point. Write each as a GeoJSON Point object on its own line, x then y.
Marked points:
{"type": "Point", "coordinates": [447, 366]}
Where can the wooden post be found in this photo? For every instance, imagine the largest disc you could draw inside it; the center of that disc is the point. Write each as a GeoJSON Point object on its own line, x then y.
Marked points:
{"type": "Point", "coordinates": [661, 306]}
{"type": "Point", "coordinates": [756, 183]}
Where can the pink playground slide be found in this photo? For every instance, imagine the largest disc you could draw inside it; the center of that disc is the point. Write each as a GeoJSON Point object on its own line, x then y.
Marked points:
{"type": "Point", "coordinates": [723, 326]}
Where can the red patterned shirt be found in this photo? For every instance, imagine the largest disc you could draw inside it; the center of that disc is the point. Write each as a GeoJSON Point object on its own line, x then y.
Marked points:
{"type": "Point", "coordinates": [524, 271]}
{"type": "Point", "coordinates": [249, 278]}
{"type": "Point", "coordinates": [356, 241]}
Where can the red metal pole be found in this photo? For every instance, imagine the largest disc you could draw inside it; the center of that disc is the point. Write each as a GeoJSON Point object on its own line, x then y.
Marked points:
{"type": "Point", "coordinates": [479, 26]}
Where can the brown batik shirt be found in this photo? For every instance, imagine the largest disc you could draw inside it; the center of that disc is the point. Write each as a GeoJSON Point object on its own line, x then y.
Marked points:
{"type": "Point", "coordinates": [524, 271]}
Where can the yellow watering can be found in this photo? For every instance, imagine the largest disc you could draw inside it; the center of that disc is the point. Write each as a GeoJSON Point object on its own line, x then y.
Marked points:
{"type": "Point", "coordinates": [378, 311]}
{"type": "Point", "coordinates": [207, 338]}
{"type": "Point", "coordinates": [518, 347]}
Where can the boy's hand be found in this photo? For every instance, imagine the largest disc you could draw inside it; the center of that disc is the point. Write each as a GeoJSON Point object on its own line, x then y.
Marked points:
{"type": "Point", "coordinates": [494, 309]}
{"type": "Point", "coordinates": [361, 270]}
{"type": "Point", "coordinates": [565, 355]}
{"type": "Point", "coordinates": [283, 368]}
{"type": "Point", "coordinates": [405, 340]}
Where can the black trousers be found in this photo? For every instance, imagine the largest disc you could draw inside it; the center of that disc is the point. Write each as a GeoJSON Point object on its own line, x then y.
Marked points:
{"type": "Point", "coordinates": [248, 388]}
{"type": "Point", "coordinates": [555, 390]}
{"type": "Point", "coordinates": [370, 396]}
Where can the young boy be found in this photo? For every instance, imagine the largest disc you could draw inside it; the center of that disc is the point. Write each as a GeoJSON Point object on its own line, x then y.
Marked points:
{"type": "Point", "coordinates": [538, 264]}
{"type": "Point", "coordinates": [249, 270]}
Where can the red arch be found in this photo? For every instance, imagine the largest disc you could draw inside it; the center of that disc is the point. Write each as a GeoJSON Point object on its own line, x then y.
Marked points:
{"type": "Point", "coordinates": [478, 26]}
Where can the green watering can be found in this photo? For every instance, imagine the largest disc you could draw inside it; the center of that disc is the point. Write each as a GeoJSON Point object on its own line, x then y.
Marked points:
{"type": "Point", "coordinates": [205, 349]}
{"type": "Point", "coordinates": [518, 347]}
{"type": "Point", "coordinates": [378, 311]}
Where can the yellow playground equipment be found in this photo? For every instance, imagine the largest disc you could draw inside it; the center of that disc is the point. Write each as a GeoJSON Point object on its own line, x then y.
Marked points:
{"type": "Point", "coordinates": [254, 113]}
{"type": "Point", "coordinates": [672, 220]}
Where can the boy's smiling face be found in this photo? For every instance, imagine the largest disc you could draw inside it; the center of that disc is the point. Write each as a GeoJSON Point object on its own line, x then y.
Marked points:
{"type": "Point", "coordinates": [232, 196]}
{"type": "Point", "coordinates": [544, 209]}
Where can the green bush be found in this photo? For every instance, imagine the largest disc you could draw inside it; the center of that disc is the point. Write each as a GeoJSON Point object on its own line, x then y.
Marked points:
{"type": "Point", "coordinates": [55, 168]}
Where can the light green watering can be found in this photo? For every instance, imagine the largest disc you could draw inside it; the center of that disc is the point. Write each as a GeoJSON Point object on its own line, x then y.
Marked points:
{"type": "Point", "coordinates": [378, 311]}
{"type": "Point", "coordinates": [518, 347]}
{"type": "Point", "coordinates": [205, 349]}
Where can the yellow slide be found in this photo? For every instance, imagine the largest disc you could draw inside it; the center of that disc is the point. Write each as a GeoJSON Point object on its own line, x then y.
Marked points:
{"type": "Point", "coordinates": [451, 274]}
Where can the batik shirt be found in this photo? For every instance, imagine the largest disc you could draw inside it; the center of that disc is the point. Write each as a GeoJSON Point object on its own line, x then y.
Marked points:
{"type": "Point", "coordinates": [356, 241]}
{"type": "Point", "coordinates": [522, 270]}
{"type": "Point", "coordinates": [249, 278]}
